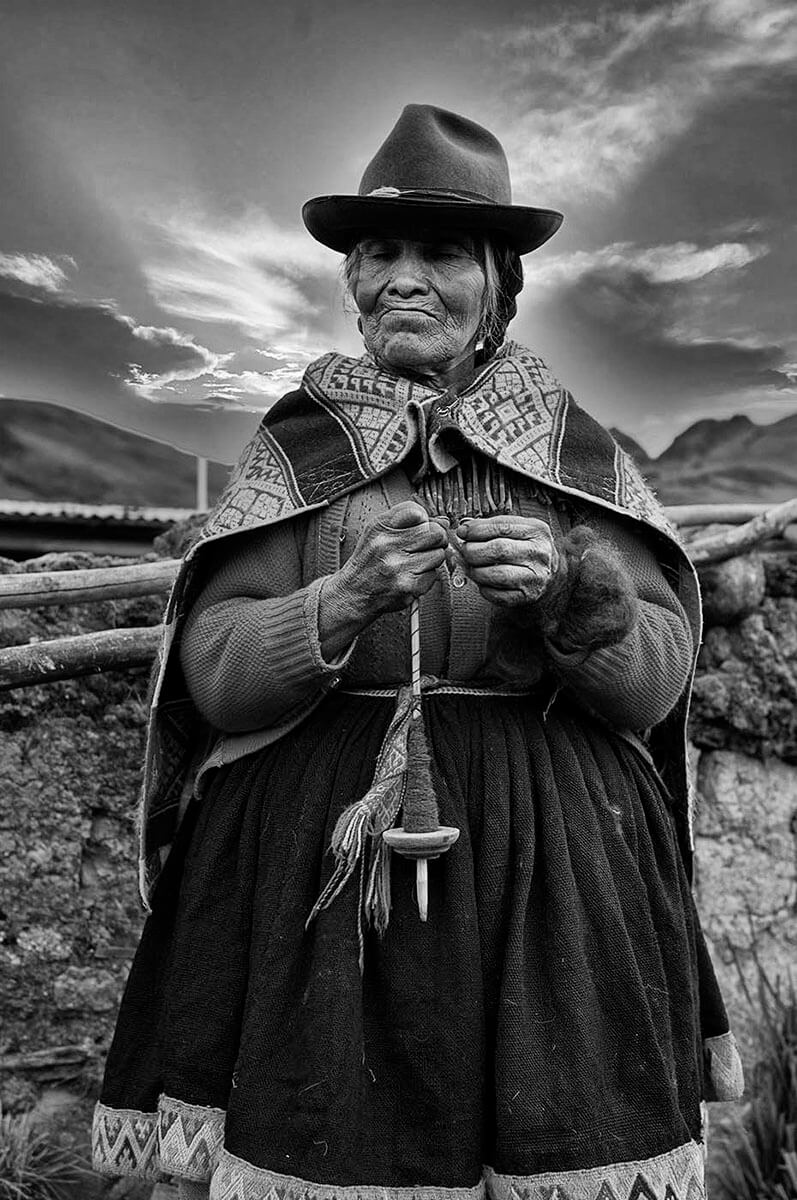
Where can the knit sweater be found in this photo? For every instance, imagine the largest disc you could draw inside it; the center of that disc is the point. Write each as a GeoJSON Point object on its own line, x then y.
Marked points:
{"type": "Point", "coordinates": [251, 650]}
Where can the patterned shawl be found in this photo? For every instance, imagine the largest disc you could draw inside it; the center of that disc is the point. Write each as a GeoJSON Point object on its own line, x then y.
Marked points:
{"type": "Point", "coordinates": [347, 424]}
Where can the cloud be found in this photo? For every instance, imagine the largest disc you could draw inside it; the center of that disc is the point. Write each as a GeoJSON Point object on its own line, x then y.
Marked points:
{"type": "Point", "coordinates": [36, 270]}
{"type": "Point", "coordinates": [95, 339]}
{"type": "Point", "coordinates": [588, 103]}
{"type": "Point", "coordinates": [676, 262]}
{"type": "Point", "coordinates": [254, 389]}
{"type": "Point", "coordinates": [95, 359]}
{"type": "Point", "coordinates": [644, 335]}
{"type": "Point", "coordinates": [680, 293]}
{"type": "Point", "coordinates": [274, 285]}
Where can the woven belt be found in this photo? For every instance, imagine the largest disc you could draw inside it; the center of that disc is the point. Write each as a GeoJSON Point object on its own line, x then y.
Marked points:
{"type": "Point", "coordinates": [437, 687]}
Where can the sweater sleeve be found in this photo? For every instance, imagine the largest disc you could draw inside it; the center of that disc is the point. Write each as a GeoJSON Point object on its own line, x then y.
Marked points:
{"type": "Point", "coordinates": [250, 649]}
{"type": "Point", "coordinates": [634, 683]}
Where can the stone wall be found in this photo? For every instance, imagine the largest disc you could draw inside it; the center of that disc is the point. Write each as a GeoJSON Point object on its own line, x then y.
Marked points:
{"type": "Point", "coordinates": [744, 729]}
{"type": "Point", "coordinates": [70, 756]}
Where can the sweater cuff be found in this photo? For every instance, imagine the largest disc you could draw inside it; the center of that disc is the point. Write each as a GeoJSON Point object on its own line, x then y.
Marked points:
{"type": "Point", "coordinates": [312, 601]}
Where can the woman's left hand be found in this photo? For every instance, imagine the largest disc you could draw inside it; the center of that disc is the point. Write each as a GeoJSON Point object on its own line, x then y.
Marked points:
{"type": "Point", "coordinates": [511, 559]}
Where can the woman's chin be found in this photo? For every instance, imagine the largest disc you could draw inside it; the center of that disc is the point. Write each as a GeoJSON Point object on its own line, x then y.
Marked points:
{"type": "Point", "coordinates": [407, 352]}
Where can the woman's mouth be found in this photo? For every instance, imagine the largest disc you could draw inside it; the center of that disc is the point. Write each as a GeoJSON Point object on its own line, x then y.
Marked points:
{"type": "Point", "coordinates": [401, 313]}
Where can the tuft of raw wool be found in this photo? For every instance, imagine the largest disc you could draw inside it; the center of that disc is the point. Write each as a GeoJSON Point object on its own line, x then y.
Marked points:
{"type": "Point", "coordinates": [591, 601]}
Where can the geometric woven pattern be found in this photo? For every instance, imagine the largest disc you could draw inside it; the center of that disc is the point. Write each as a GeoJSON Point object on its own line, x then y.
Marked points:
{"type": "Point", "coordinates": [677, 1175]}
{"type": "Point", "coordinates": [515, 411]}
{"type": "Point", "coordinates": [517, 416]}
{"type": "Point", "coordinates": [236, 1179]}
{"type": "Point", "coordinates": [125, 1142]}
{"type": "Point", "coordinates": [190, 1138]}
{"type": "Point", "coordinates": [179, 1139]}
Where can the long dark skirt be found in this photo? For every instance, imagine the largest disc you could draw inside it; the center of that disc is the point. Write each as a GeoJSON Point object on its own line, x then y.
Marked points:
{"type": "Point", "coordinates": [543, 1024]}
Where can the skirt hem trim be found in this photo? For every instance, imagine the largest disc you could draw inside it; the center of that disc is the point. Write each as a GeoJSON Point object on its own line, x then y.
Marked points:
{"type": "Point", "coordinates": [677, 1174]}
{"type": "Point", "coordinates": [177, 1139]}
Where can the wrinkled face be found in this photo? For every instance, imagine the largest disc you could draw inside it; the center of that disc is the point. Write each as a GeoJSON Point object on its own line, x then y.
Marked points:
{"type": "Point", "coordinates": [420, 302]}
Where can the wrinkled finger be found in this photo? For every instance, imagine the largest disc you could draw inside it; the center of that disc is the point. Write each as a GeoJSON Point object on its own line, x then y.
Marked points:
{"type": "Point", "coordinates": [508, 550]}
{"type": "Point", "coordinates": [504, 525]}
{"type": "Point", "coordinates": [418, 538]}
{"type": "Point", "coordinates": [403, 516]}
{"type": "Point", "coordinates": [505, 575]}
{"type": "Point", "coordinates": [430, 560]}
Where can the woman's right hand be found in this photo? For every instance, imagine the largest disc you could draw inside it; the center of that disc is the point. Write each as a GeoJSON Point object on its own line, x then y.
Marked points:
{"type": "Point", "coordinates": [395, 559]}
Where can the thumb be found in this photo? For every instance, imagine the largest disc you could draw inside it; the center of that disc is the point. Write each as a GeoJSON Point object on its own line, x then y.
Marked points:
{"type": "Point", "coordinates": [404, 516]}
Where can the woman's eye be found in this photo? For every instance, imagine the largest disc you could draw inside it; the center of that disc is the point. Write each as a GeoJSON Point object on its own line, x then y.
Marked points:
{"type": "Point", "coordinates": [452, 251]}
{"type": "Point", "coordinates": [378, 251]}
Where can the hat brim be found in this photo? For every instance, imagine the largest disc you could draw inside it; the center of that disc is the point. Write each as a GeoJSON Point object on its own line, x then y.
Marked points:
{"type": "Point", "coordinates": [339, 221]}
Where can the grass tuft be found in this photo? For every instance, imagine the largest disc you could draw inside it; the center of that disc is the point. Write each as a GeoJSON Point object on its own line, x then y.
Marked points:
{"type": "Point", "coordinates": [32, 1166]}
{"type": "Point", "coordinates": [757, 1156]}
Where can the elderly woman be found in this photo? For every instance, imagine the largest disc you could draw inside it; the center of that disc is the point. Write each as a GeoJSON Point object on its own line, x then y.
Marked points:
{"type": "Point", "coordinates": [290, 1027]}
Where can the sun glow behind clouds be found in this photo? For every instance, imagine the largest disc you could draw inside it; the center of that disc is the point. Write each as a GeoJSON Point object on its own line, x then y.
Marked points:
{"type": "Point", "coordinates": [252, 274]}
{"type": "Point", "coordinates": [587, 103]}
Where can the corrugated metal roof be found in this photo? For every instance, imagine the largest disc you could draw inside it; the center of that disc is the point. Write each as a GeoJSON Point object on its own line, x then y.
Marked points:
{"type": "Point", "coordinates": [119, 514]}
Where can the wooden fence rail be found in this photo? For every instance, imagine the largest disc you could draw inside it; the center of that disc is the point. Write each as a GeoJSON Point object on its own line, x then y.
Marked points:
{"type": "Point", "coordinates": [84, 654]}
{"type": "Point", "coordinates": [39, 588]}
{"type": "Point", "coordinates": [118, 649]}
{"type": "Point", "coordinates": [720, 546]}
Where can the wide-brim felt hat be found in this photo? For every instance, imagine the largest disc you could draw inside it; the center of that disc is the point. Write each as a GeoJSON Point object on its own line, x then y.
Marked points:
{"type": "Point", "coordinates": [435, 172]}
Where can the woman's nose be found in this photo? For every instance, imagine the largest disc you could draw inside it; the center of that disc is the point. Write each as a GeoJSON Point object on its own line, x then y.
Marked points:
{"type": "Point", "coordinates": [409, 276]}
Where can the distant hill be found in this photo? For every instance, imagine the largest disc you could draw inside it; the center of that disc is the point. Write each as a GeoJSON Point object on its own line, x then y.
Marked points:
{"type": "Point", "coordinates": [727, 460]}
{"type": "Point", "coordinates": [52, 453]}
{"type": "Point", "coordinates": [631, 447]}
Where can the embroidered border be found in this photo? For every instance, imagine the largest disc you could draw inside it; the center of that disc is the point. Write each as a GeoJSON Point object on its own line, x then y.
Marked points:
{"type": "Point", "coordinates": [125, 1142]}
{"type": "Point", "coordinates": [236, 1179]}
{"type": "Point", "coordinates": [676, 1175]}
{"type": "Point", "coordinates": [179, 1139]}
{"type": "Point", "coordinates": [190, 1138]}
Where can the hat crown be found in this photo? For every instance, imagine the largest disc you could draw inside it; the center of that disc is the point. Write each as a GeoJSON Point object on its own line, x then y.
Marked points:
{"type": "Point", "coordinates": [432, 150]}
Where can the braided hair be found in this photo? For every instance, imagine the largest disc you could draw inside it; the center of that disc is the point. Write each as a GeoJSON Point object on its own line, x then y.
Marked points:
{"type": "Point", "coordinates": [503, 273]}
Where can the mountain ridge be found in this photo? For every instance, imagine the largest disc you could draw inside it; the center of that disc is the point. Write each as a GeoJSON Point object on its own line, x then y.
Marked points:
{"type": "Point", "coordinates": [54, 453]}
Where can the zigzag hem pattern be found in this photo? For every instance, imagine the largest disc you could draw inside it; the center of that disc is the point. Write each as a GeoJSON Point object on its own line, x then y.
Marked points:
{"type": "Point", "coordinates": [178, 1139]}
{"type": "Point", "coordinates": [676, 1175]}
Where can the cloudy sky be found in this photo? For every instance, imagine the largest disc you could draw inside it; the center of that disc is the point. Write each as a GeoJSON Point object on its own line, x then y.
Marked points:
{"type": "Point", "coordinates": [154, 270]}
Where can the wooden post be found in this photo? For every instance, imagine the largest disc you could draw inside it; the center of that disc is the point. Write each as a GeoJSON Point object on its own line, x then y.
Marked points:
{"type": "Point", "coordinates": [202, 484]}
